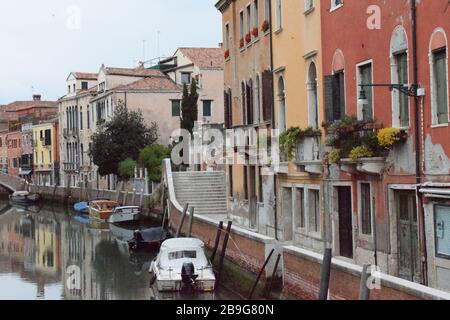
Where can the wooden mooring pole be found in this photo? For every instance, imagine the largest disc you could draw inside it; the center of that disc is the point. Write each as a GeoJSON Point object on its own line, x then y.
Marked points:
{"type": "Point", "coordinates": [191, 221]}
{"type": "Point", "coordinates": [224, 250]}
{"type": "Point", "coordinates": [325, 275]}
{"type": "Point", "coordinates": [364, 291]}
{"type": "Point", "coordinates": [274, 273]}
{"type": "Point", "coordinates": [217, 241]}
{"type": "Point", "coordinates": [180, 225]}
{"type": "Point", "coordinates": [260, 274]}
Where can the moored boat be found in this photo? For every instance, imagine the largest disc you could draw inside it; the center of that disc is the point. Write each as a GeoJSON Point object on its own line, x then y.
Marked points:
{"type": "Point", "coordinates": [24, 197]}
{"type": "Point", "coordinates": [101, 210]}
{"type": "Point", "coordinates": [147, 238]}
{"type": "Point", "coordinates": [182, 265]}
{"type": "Point", "coordinates": [125, 214]}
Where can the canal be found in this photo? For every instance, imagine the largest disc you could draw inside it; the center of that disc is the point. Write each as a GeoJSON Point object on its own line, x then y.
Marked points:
{"type": "Point", "coordinates": [50, 253]}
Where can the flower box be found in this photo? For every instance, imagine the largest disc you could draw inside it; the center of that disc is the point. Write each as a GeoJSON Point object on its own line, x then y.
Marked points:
{"type": "Point", "coordinates": [255, 32]}
{"type": "Point", "coordinates": [371, 165]}
{"type": "Point", "coordinates": [265, 26]}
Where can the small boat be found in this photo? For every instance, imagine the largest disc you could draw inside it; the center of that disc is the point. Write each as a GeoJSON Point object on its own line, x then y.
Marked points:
{"type": "Point", "coordinates": [82, 207]}
{"type": "Point", "coordinates": [125, 214]}
{"type": "Point", "coordinates": [101, 210]}
{"type": "Point", "coordinates": [24, 197]}
{"type": "Point", "coordinates": [182, 265]}
{"type": "Point", "coordinates": [82, 219]}
{"type": "Point", "coordinates": [147, 238]}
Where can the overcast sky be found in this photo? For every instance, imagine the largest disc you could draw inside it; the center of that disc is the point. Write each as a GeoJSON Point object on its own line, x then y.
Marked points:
{"type": "Point", "coordinates": [42, 41]}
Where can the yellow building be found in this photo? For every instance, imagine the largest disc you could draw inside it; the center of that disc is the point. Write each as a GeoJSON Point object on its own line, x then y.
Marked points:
{"type": "Point", "coordinates": [46, 152]}
{"type": "Point", "coordinates": [298, 104]}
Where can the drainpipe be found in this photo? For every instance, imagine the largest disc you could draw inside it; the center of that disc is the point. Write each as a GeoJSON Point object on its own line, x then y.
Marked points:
{"type": "Point", "coordinates": [275, 185]}
{"type": "Point", "coordinates": [420, 211]}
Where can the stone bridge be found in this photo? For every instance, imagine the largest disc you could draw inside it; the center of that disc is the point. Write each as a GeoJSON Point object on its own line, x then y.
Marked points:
{"type": "Point", "coordinates": [12, 183]}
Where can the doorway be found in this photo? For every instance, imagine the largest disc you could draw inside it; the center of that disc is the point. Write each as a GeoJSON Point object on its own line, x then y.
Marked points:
{"type": "Point", "coordinates": [408, 237]}
{"type": "Point", "coordinates": [345, 222]}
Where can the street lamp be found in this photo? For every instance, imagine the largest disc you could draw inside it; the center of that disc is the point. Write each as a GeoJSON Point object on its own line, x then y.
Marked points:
{"type": "Point", "coordinates": [410, 91]}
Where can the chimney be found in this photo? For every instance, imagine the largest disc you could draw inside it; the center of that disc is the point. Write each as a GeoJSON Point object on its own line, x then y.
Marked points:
{"type": "Point", "coordinates": [36, 97]}
{"type": "Point", "coordinates": [220, 45]}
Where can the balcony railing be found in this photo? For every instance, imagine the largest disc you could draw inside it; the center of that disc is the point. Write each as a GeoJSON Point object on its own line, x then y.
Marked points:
{"type": "Point", "coordinates": [308, 154]}
{"type": "Point", "coordinates": [71, 167]}
{"type": "Point", "coordinates": [67, 133]}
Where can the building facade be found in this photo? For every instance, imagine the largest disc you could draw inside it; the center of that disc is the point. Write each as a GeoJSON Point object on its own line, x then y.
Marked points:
{"type": "Point", "coordinates": [46, 153]}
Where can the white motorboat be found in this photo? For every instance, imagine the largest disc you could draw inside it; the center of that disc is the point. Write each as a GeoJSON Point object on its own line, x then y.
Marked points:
{"type": "Point", "coordinates": [182, 265]}
{"type": "Point", "coordinates": [24, 197]}
{"type": "Point", "coordinates": [125, 214]}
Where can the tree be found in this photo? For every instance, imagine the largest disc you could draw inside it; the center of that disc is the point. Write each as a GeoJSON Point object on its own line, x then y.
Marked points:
{"type": "Point", "coordinates": [121, 138]}
{"type": "Point", "coordinates": [151, 157]}
{"type": "Point", "coordinates": [189, 108]}
{"type": "Point", "coordinates": [126, 168]}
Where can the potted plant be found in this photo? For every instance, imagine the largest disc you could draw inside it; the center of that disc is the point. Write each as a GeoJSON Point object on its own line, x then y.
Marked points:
{"type": "Point", "coordinates": [227, 53]}
{"type": "Point", "coordinates": [265, 26]}
{"type": "Point", "coordinates": [241, 43]}
{"type": "Point", "coordinates": [255, 32]}
{"type": "Point", "coordinates": [248, 38]}
{"type": "Point", "coordinates": [388, 138]}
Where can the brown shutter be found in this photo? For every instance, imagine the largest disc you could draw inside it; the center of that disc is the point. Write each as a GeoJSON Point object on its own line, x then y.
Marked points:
{"type": "Point", "coordinates": [328, 97]}
{"type": "Point", "coordinates": [267, 93]}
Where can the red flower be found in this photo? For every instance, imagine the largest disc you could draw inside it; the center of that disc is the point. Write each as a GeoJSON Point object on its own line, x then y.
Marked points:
{"type": "Point", "coordinates": [255, 32]}
{"type": "Point", "coordinates": [248, 37]}
{"type": "Point", "coordinates": [265, 26]}
{"type": "Point", "coordinates": [241, 43]}
{"type": "Point", "coordinates": [227, 54]}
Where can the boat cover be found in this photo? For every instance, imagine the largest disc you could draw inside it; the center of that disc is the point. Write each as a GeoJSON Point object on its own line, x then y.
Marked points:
{"type": "Point", "coordinates": [81, 206]}
{"type": "Point", "coordinates": [175, 252]}
{"type": "Point", "coordinates": [152, 234]}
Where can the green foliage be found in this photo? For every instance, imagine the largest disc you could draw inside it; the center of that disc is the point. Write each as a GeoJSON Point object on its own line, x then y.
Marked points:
{"type": "Point", "coordinates": [126, 168]}
{"type": "Point", "coordinates": [121, 138]}
{"type": "Point", "coordinates": [189, 108]}
{"type": "Point", "coordinates": [151, 157]}
{"type": "Point", "coordinates": [288, 139]}
{"type": "Point", "coordinates": [334, 156]}
{"type": "Point", "coordinates": [360, 152]}
{"type": "Point", "coordinates": [389, 137]}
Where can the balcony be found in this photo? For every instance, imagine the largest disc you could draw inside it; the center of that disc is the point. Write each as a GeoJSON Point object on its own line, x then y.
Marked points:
{"type": "Point", "coordinates": [42, 167]}
{"type": "Point", "coordinates": [71, 167]}
{"type": "Point", "coordinates": [70, 133]}
{"type": "Point", "coordinates": [308, 156]}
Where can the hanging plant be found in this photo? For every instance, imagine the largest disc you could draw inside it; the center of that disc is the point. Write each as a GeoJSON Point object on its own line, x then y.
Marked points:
{"type": "Point", "coordinates": [289, 138]}
{"type": "Point", "coordinates": [227, 54]}
{"type": "Point", "coordinates": [241, 43]}
{"type": "Point", "coordinates": [248, 37]}
{"type": "Point", "coordinates": [265, 26]}
{"type": "Point", "coordinates": [255, 32]}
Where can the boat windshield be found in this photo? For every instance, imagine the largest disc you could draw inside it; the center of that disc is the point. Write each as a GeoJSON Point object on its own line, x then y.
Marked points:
{"type": "Point", "coordinates": [192, 254]}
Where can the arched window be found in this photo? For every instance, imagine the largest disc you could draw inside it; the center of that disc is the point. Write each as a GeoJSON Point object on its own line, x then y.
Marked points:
{"type": "Point", "coordinates": [243, 95]}
{"type": "Point", "coordinates": [257, 111]}
{"type": "Point", "coordinates": [400, 75]}
{"type": "Point", "coordinates": [250, 102]}
{"type": "Point", "coordinates": [311, 87]}
{"type": "Point", "coordinates": [281, 105]}
{"type": "Point", "coordinates": [439, 77]}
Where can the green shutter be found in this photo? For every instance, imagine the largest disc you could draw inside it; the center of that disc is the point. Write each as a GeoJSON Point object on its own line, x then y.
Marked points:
{"type": "Point", "coordinates": [440, 71]}
{"type": "Point", "coordinates": [328, 97]}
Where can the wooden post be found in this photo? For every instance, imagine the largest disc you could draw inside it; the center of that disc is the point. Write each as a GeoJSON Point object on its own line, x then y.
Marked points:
{"type": "Point", "coordinates": [133, 197]}
{"type": "Point", "coordinates": [325, 275]}
{"type": "Point", "coordinates": [191, 221]}
{"type": "Point", "coordinates": [216, 243]}
{"type": "Point", "coordinates": [141, 200]}
{"type": "Point", "coordinates": [224, 249]}
{"type": "Point", "coordinates": [364, 292]}
{"type": "Point", "coordinates": [275, 269]}
{"type": "Point", "coordinates": [260, 274]}
{"type": "Point", "coordinates": [180, 225]}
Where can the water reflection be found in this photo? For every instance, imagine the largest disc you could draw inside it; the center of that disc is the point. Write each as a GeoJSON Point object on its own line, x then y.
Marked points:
{"type": "Point", "coordinates": [49, 250]}
{"type": "Point", "coordinates": [46, 253]}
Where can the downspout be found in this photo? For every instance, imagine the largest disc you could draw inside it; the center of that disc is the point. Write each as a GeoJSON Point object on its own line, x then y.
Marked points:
{"type": "Point", "coordinates": [275, 187]}
{"type": "Point", "coordinates": [421, 219]}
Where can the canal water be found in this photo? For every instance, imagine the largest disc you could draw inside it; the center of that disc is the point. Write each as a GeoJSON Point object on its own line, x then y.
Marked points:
{"type": "Point", "coordinates": [47, 253]}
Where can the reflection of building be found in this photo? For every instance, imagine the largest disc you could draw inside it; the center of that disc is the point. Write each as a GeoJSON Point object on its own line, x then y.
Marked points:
{"type": "Point", "coordinates": [47, 240]}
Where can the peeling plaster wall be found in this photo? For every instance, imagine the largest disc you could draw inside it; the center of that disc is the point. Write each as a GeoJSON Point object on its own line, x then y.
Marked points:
{"type": "Point", "coordinates": [436, 160]}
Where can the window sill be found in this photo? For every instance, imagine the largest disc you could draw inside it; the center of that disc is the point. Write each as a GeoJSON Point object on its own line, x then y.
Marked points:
{"type": "Point", "coordinates": [279, 30]}
{"type": "Point", "coordinates": [308, 11]}
{"type": "Point", "coordinates": [242, 49]}
{"type": "Point", "coordinates": [227, 59]}
{"type": "Point", "coordinates": [256, 40]}
{"type": "Point", "coordinates": [437, 126]}
{"type": "Point", "coordinates": [266, 33]}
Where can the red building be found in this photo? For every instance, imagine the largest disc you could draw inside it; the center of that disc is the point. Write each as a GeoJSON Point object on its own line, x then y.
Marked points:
{"type": "Point", "coordinates": [391, 202]}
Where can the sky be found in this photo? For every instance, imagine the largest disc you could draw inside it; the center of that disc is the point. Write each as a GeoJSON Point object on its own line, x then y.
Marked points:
{"type": "Point", "coordinates": [41, 42]}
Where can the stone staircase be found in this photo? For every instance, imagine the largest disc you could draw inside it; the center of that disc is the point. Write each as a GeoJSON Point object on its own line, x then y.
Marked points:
{"type": "Point", "coordinates": [205, 191]}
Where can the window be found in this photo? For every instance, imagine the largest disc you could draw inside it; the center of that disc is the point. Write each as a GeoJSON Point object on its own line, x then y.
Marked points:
{"type": "Point", "coordinates": [300, 208]}
{"type": "Point", "coordinates": [365, 77]}
{"type": "Point", "coordinates": [189, 254]}
{"type": "Point", "coordinates": [88, 118]}
{"type": "Point", "coordinates": [74, 88]}
{"type": "Point", "coordinates": [48, 137]}
{"type": "Point", "coordinates": [366, 208]}
{"type": "Point", "coordinates": [260, 186]}
{"type": "Point", "coordinates": [82, 154]}
{"type": "Point", "coordinates": [401, 65]}
{"type": "Point", "coordinates": [267, 10]}
{"type": "Point", "coordinates": [257, 111]}
{"type": "Point", "coordinates": [255, 14]}
{"type": "Point", "coordinates": [245, 184]}
{"type": "Point", "coordinates": [207, 112]}
{"type": "Point", "coordinates": [50, 156]}
{"type": "Point", "coordinates": [281, 105]}
{"type": "Point", "coordinates": [249, 19]}
{"type": "Point", "coordinates": [442, 223]}
{"type": "Point", "coordinates": [68, 89]}
{"type": "Point", "coordinates": [309, 5]}
{"type": "Point", "coordinates": [227, 36]}
{"type": "Point", "coordinates": [176, 108]}
{"type": "Point", "coordinates": [313, 106]}
{"type": "Point", "coordinates": [185, 78]}
{"type": "Point", "coordinates": [440, 87]}
{"type": "Point", "coordinates": [278, 14]}
{"type": "Point", "coordinates": [241, 24]}
{"type": "Point", "coordinates": [81, 118]}
{"type": "Point", "coordinates": [314, 210]}
{"type": "Point", "coordinates": [335, 96]}
{"type": "Point", "coordinates": [230, 177]}
{"type": "Point", "coordinates": [335, 4]}
{"type": "Point", "coordinates": [84, 85]}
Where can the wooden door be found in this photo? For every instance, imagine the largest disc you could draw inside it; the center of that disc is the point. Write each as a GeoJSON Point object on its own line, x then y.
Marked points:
{"type": "Point", "coordinates": [345, 222]}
